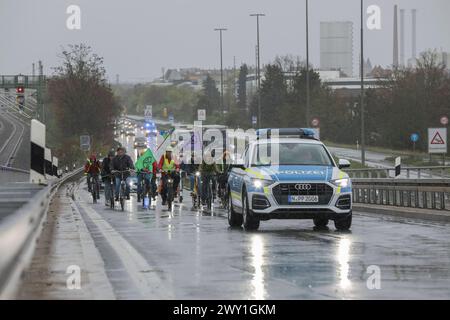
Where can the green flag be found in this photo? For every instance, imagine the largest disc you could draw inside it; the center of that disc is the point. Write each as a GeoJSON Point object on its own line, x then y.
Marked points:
{"type": "Point", "coordinates": [145, 161]}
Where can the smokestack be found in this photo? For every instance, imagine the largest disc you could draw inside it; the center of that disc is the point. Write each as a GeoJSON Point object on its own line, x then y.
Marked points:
{"type": "Point", "coordinates": [414, 48]}
{"type": "Point", "coordinates": [402, 37]}
{"type": "Point", "coordinates": [395, 59]}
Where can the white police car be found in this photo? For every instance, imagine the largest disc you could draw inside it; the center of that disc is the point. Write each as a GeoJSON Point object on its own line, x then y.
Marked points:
{"type": "Point", "coordinates": [291, 177]}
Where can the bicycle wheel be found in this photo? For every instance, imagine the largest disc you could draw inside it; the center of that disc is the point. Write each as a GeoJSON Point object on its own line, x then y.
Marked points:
{"type": "Point", "coordinates": [209, 196]}
{"type": "Point", "coordinates": [122, 198]}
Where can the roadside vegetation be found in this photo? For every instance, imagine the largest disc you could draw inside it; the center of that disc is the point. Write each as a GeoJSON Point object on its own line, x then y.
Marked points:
{"type": "Point", "coordinates": [80, 102]}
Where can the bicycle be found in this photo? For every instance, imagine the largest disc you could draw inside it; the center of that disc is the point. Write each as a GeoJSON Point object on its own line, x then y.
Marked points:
{"type": "Point", "coordinates": [195, 194]}
{"type": "Point", "coordinates": [168, 190]}
{"type": "Point", "coordinates": [209, 196]}
{"type": "Point", "coordinates": [109, 190]}
{"type": "Point", "coordinates": [123, 186]}
{"type": "Point", "coordinates": [95, 188]}
{"type": "Point", "coordinates": [222, 190]}
{"type": "Point", "coordinates": [146, 189]}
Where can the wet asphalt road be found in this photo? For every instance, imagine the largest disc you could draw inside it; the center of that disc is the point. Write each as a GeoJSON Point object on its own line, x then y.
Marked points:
{"type": "Point", "coordinates": [195, 255]}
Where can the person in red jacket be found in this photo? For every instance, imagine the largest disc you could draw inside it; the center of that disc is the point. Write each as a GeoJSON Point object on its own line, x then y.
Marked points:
{"type": "Point", "coordinates": [92, 169]}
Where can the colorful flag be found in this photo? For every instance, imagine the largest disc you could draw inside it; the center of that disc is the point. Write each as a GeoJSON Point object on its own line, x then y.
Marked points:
{"type": "Point", "coordinates": [145, 161]}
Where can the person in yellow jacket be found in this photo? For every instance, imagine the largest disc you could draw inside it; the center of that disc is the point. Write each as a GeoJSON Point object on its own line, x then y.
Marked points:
{"type": "Point", "coordinates": [168, 164]}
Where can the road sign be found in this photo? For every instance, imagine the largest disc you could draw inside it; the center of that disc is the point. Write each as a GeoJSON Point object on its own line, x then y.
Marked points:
{"type": "Point", "coordinates": [444, 120]}
{"type": "Point", "coordinates": [414, 137]}
{"type": "Point", "coordinates": [437, 140]}
{"type": "Point", "coordinates": [201, 115]}
{"type": "Point", "coordinates": [315, 122]}
{"type": "Point", "coordinates": [171, 119]}
{"type": "Point", "coordinates": [254, 120]}
{"type": "Point", "coordinates": [148, 113]}
{"type": "Point", "coordinates": [85, 143]}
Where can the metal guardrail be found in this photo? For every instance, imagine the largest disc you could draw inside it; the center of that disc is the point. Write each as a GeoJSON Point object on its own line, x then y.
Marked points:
{"type": "Point", "coordinates": [412, 193]}
{"type": "Point", "coordinates": [439, 172]}
{"type": "Point", "coordinates": [19, 233]}
{"type": "Point", "coordinates": [4, 168]}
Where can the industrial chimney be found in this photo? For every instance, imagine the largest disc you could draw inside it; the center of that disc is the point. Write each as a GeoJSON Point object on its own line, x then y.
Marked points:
{"type": "Point", "coordinates": [414, 48]}
{"type": "Point", "coordinates": [402, 37]}
{"type": "Point", "coordinates": [395, 59]}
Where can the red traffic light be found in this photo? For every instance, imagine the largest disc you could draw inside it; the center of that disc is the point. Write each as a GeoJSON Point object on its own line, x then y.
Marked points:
{"type": "Point", "coordinates": [20, 89]}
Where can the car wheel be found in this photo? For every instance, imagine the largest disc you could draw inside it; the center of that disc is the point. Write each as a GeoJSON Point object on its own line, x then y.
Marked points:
{"type": "Point", "coordinates": [344, 223]}
{"type": "Point", "coordinates": [320, 222]}
{"type": "Point", "coordinates": [250, 223]}
{"type": "Point", "coordinates": [234, 218]}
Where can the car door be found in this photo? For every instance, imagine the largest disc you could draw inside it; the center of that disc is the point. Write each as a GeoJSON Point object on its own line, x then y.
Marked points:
{"type": "Point", "coordinates": [236, 182]}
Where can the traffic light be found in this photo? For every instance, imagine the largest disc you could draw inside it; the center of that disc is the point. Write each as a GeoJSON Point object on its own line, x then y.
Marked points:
{"type": "Point", "coordinates": [20, 98]}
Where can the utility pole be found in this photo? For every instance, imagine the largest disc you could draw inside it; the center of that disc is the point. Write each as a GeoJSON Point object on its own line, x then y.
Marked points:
{"type": "Point", "coordinates": [258, 64]}
{"type": "Point", "coordinates": [308, 101]}
{"type": "Point", "coordinates": [363, 138]}
{"type": "Point", "coordinates": [41, 87]}
{"type": "Point", "coordinates": [221, 70]}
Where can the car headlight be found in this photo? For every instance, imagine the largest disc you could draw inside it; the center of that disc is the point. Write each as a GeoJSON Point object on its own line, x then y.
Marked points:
{"type": "Point", "coordinates": [343, 183]}
{"type": "Point", "coordinates": [259, 183]}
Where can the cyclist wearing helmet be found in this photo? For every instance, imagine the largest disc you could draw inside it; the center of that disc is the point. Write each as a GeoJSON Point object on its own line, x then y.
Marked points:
{"type": "Point", "coordinates": [92, 170]}
{"type": "Point", "coordinates": [167, 164]}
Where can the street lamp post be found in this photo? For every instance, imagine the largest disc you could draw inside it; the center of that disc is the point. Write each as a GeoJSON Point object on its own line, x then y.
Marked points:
{"type": "Point", "coordinates": [258, 65]}
{"type": "Point", "coordinates": [221, 69]}
{"type": "Point", "coordinates": [363, 138]}
{"type": "Point", "coordinates": [308, 102]}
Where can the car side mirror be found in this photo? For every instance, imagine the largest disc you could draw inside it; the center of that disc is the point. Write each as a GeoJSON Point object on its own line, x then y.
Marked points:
{"type": "Point", "coordinates": [343, 163]}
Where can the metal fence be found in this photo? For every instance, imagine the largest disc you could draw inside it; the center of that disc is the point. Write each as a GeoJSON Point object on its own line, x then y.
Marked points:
{"type": "Point", "coordinates": [437, 172]}
{"type": "Point", "coordinates": [413, 193]}
{"type": "Point", "coordinates": [19, 233]}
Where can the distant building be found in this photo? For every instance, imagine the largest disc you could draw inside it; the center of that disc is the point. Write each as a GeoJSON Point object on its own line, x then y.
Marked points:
{"type": "Point", "coordinates": [336, 46]}
{"type": "Point", "coordinates": [173, 75]}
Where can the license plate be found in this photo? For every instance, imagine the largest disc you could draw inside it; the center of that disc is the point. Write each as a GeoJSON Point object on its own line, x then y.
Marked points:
{"type": "Point", "coordinates": [303, 199]}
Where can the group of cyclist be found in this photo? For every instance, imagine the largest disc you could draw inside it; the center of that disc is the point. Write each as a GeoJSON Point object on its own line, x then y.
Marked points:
{"type": "Point", "coordinates": [208, 177]}
{"type": "Point", "coordinates": [201, 176]}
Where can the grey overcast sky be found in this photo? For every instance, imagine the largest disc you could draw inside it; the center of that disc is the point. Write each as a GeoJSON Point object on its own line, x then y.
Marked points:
{"type": "Point", "coordinates": [139, 37]}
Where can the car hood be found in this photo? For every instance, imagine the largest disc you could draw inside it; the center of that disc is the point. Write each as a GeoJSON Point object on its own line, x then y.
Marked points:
{"type": "Point", "coordinates": [296, 173]}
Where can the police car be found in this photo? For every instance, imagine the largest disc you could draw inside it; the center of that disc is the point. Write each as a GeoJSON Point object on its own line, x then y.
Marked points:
{"type": "Point", "coordinates": [290, 176]}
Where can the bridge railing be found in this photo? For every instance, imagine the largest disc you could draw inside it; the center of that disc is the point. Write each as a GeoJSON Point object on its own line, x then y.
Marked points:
{"type": "Point", "coordinates": [19, 232]}
{"type": "Point", "coordinates": [439, 172]}
{"type": "Point", "coordinates": [412, 193]}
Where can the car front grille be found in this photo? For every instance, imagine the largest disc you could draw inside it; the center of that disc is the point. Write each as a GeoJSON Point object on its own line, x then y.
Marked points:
{"type": "Point", "coordinates": [282, 192]}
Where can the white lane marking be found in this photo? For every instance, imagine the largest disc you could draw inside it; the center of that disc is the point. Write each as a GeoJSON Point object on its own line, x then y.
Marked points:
{"type": "Point", "coordinates": [100, 285]}
{"type": "Point", "coordinates": [143, 275]}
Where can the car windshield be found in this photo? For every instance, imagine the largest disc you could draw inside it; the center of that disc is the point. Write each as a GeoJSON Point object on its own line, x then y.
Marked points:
{"type": "Point", "coordinates": [304, 154]}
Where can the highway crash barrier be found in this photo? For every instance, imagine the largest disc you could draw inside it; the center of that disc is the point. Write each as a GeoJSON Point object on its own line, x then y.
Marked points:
{"type": "Point", "coordinates": [440, 172]}
{"type": "Point", "coordinates": [19, 233]}
{"type": "Point", "coordinates": [420, 196]}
